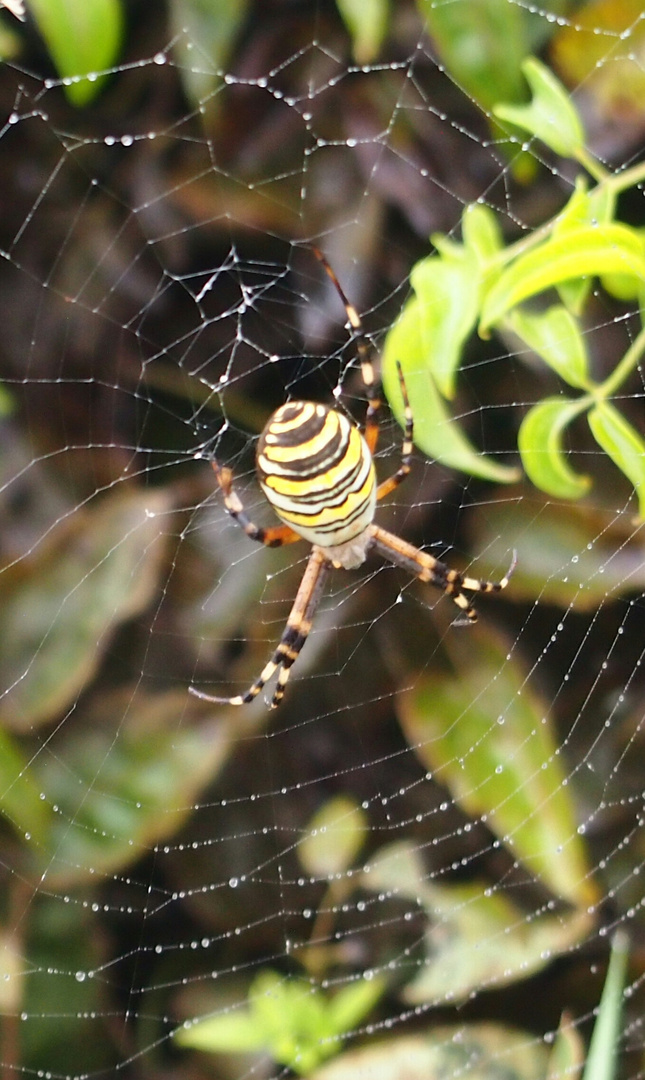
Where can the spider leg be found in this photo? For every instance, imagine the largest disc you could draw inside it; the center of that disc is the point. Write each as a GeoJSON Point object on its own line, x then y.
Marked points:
{"type": "Point", "coordinates": [365, 351]}
{"type": "Point", "coordinates": [403, 470]}
{"type": "Point", "coordinates": [274, 536]}
{"type": "Point", "coordinates": [293, 638]}
{"type": "Point", "coordinates": [432, 570]}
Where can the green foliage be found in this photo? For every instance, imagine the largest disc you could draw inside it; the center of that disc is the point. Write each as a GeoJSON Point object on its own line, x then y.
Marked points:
{"type": "Point", "coordinates": [294, 1021]}
{"type": "Point", "coordinates": [480, 284]}
{"type": "Point", "coordinates": [621, 443]}
{"type": "Point", "coordinates": [334, 837]}
{"type": "Point", "coordinates": [83, 38]}
{"type": "Point", "coordinates": [601, 1061]}
{"type": "Point", "coordinates": [20, 801]}
{"type": "Point", "coordinates": [482, 734]}
{"type": "Point", "coordinates": [101, 569]}
{"type": "Point", "coordinates": [540, 444]}
{"type": "Point", "coordinates": [299, 1025]}
{"type": "Point", "coordinates": [428, 339]}
{"type": "Point", "coordinates": [551, 116]}
{"type": "Point", "coordinates": [465, 923]}
{"type": "Point", "coordinates": [215, 24]}
{"type": "Point", "coordinates": [367, 22]}
{"type": "Point", "coordinates": [483, 43]}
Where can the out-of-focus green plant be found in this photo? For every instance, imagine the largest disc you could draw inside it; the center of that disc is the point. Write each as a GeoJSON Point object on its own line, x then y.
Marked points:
{"type": "Point", "coordinates": [603, 1056]}
{"type": "Point", "coordinates": [298, 1024]}
{"type": "Point", "coordinates": [482, 43]}
{"type": "Point", "coordinates": [479, 284]}
{"type": "Point", "coordinates": [83, 38]}
{"type": "Point", "coordinates": [367, 22]}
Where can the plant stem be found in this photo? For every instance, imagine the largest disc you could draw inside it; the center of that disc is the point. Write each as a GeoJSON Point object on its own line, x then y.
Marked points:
{"type": "Point", "coordinates": [615, 182]}
{"type": "Point", "coordinates": [621, 181]}
{"type": "Point", "coordinates": [623, 369]}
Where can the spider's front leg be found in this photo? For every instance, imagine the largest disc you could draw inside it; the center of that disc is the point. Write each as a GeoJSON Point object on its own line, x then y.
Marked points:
{"type": "Point", "coordinates": [274, 536]}
{"type": "Point", "coordinates": [293, 638]}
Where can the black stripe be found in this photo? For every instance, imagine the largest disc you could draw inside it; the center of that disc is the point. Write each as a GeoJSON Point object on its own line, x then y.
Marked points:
{"type": "Point", "coordinates": [326, 496]}
{"type": "Point", "coordinates": [300, 434]}
{"type": "Point", "coordinates": [337, 526]}
{"type": "Point", "coordinates": [330, 455]}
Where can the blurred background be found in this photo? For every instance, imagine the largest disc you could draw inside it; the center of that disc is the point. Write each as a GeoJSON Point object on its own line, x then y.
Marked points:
{"type": "Point", "coordinates": [417, 863]}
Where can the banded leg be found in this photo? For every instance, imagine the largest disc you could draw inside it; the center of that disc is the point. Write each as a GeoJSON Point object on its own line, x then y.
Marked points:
{"type": "Point", "coordinates": [295, 634]}
{"type": "Point", "coordinates": [403, 470]}
{"type": "Point", "coordinates": [364, 350]}
{"type": "Point", "coordinates": [274, 536]}
{"type": "Point", "coordinates": [432, 570]}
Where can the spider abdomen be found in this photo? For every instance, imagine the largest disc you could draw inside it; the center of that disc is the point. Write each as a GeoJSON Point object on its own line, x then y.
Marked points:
{"type": "Point", "coordinates": [316, 470]}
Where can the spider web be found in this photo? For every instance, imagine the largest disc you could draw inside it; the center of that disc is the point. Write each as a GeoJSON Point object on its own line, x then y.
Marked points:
{"type": "Point", "coordinates": [166, 861]}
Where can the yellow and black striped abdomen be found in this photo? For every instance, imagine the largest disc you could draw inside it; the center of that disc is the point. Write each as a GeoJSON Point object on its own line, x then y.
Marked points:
{"type": "Point", "coordinates": [317, 472]}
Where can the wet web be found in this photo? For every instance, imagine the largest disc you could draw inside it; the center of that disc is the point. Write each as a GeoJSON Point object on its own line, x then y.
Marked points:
{"type": "Point", "coordinates": [424, 854]}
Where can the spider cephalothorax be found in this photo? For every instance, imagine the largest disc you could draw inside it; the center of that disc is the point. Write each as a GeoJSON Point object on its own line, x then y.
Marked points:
{"type": "Point", "coordinates": [316, 469]}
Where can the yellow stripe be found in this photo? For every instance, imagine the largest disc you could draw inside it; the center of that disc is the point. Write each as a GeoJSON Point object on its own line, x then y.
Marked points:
{"type": "Point", "coordinates": [309, 409]}
{"type": "Point", "coordinates": [336, 515]}
{"type": "Point", "coordinates": [323, 481]}
{"type": "Point", "coordinates": [306, 449]}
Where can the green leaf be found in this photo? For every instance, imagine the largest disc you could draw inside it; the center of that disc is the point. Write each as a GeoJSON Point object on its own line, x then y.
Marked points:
{"type": "Point", "coordinates": [602, 205]}
{"type": "Point", "coordinates": [353, 1003]}
{"type": "Point", "coordinates": [293, 1017]}
{"type": "Point", "coordinates": [65, 952]}
{"type": "Point", "coordinates": [289, 1018]}
{"type": "Point", "coordinates": [623, 287]}
{"type": "Point", "coordinates": [602, 1060]}
{"type": "Point", "coordinates": [482, 731]}
{"type": "Point", "coordinates": [447, 290]}
{"type": "Point", "coordinates": [20, 800]}
{"type": "Point", "coordinates": [578, 252]}
{"type": "Point", "coordinates": [83, 38]}
{"type": "Point", "coordinates": [555, 336]}
{"type": "Point", "coordinates": [481, 232]}
{"type": "Point", "coordinates": [230, 1032]}
{"type": "Point", "coordinates": [58, 608]}
{"type": "Point", "coordinates": [568, 1052]}
{"type": "Point", "coordinates": [473, 1051]}
{"type": "Point", "coordinates": [205, 33]}
{"type": "Point", "coordinates": [540, 444]}
{"type": "Point", "coordinates": [443, 314]}
{"type": "Point", "coordinates": [334, 836]}
{"type": "Point", "coordinates": [123, 781]}
{"type": "Point", "coordinates": [584, 208]}
{"type": "Point", "coordinates": [551, 115]}
{"type": "Point", "coordinates": [482, 45]}
{"type": "Point", "coordinates": [622, 443]}
{"type": "Point", "coordinates": [562, 558]}
{"type": "Point", "coordinates": [435, 431]}
{"type": "Point", "coordinates": [574, 294]}
{"type": "Point", "coordinates": [367, 22]}
{"type": "Point", "coordinates": [476, 937]}
{"type": "Point", "coordinates": [282, 1007]}
{"type": "Point", "coordinates": [290, 1014]}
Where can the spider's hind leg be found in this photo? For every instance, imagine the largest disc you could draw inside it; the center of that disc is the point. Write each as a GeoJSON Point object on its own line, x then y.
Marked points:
{"type": "Point", "coordinates": [427, 568]}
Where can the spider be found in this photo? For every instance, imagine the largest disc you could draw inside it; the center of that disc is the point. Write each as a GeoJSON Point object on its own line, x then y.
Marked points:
{"type": "Point", "coordinates": [316, 469]}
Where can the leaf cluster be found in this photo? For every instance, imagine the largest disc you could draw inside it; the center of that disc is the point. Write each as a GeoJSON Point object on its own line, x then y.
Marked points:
{"type": "Point", "coordinates": [536, 291]}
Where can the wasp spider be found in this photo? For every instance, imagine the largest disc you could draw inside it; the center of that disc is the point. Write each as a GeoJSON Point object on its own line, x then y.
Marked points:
{"type": "Point", "coordinates": [316, 469]}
